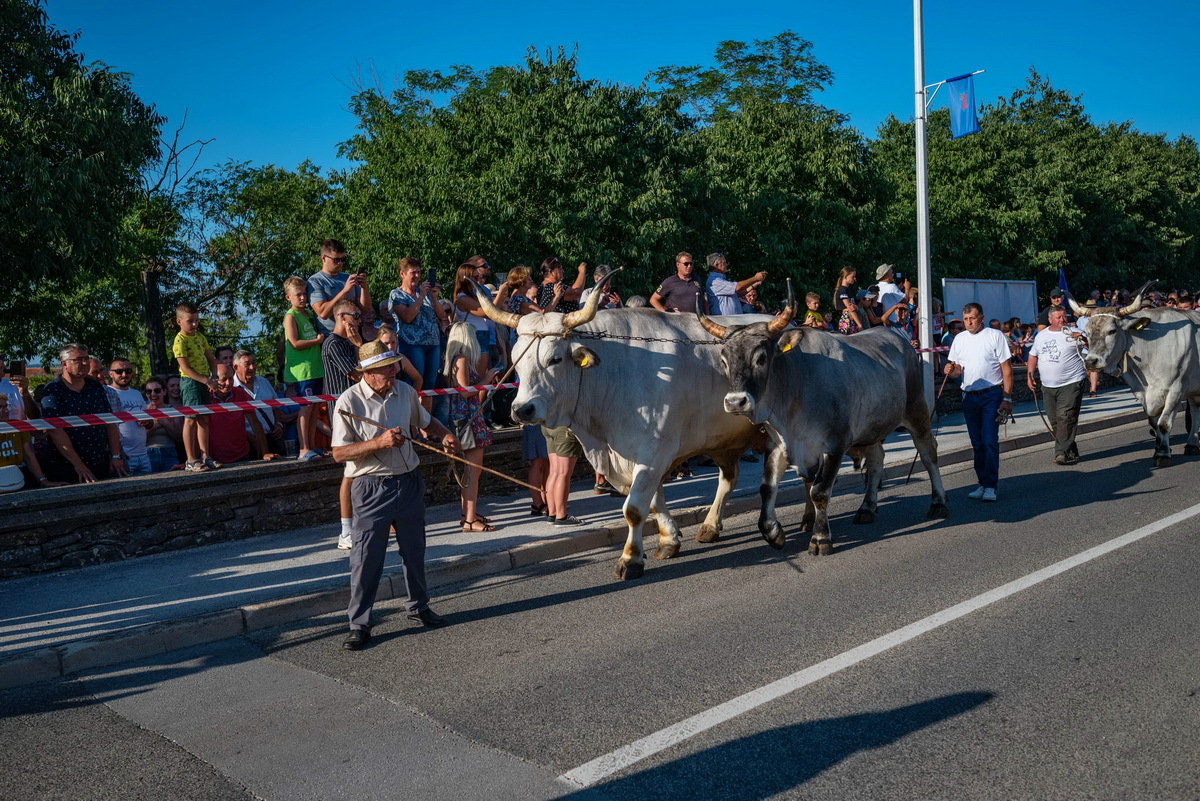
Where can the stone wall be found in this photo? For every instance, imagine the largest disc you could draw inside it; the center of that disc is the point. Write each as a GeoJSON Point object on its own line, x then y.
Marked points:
{"type": "Point", "coordinates": [52, 529]}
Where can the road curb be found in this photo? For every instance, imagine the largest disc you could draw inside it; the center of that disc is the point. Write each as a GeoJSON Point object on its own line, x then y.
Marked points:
{"type": "Point", "coordinates": [45, 664]}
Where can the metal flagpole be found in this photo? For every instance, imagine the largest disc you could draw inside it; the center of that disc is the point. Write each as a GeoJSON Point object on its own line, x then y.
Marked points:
{"type": "Point", "coordinates": [924, 271]}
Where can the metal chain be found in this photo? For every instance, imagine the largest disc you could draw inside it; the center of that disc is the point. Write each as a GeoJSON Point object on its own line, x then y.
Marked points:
{"type": "Point", "coordinates": [631, 338]}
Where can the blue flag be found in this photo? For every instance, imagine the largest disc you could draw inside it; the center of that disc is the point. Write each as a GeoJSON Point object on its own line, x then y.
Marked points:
{"type": "Point", "coordinates": [1062, 282]}
{"type": "Point", "coordinates": [963, 120]}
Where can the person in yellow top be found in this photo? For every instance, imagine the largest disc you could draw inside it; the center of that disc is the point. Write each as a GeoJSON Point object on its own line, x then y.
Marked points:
{"type": "Point", "coordinates": [302, 362]}
{"type": "Point", "coordinates": [197, 370]}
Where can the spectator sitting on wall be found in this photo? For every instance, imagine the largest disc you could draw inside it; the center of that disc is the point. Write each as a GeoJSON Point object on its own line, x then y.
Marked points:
{"type": "Point", "coordinates": [87, 453]}
{"type": "Point", "coordinates": [165, 436]}
{"type": "Point", "coordinates": [246, 378]}
{"type": "Point", "coordinates": [124, 398]}
{"type": "Point", "coordinates": [227, 431]}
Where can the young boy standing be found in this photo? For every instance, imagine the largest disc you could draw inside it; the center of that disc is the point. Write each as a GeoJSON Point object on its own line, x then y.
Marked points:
{"type": "Point", "coordinates": [193, 354]}
{"type": "Point", "coordinates": [302, 361]}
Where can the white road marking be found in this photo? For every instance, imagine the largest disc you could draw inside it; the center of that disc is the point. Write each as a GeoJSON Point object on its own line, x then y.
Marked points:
{"type": "Point", "coordinates": [604, 766]}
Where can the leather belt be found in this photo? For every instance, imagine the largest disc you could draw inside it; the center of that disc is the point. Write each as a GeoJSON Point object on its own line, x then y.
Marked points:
{"type": "Point", "coordinates": [980, 391]}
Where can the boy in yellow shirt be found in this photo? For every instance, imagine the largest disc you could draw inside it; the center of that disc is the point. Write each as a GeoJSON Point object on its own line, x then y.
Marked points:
{"type": "Point", "coordinates": [193, 354]}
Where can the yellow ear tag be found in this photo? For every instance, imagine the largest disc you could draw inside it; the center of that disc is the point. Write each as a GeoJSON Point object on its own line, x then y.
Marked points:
{"type": "Point", "coordinates": [583, 362]}
{"type": "Point", "coordinates": [786, 348]}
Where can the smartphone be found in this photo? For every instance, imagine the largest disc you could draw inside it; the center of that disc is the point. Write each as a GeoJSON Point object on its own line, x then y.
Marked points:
{"type": "Point", "coordinates": [431, 277]}
{"type": "Point", "coordinates": [16, 367]}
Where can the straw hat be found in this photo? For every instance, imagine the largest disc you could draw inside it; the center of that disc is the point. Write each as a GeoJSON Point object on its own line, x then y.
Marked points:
{"type": "Point", "coordinates": [375, 354]}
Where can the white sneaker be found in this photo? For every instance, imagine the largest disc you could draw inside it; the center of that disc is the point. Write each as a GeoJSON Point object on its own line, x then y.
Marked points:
{"type": "Point", "coordinates": [977, 493]}
{"type": "Point", "coordinates": [345, 543]}
{"type": "Point", "coordinates": [989, 494]}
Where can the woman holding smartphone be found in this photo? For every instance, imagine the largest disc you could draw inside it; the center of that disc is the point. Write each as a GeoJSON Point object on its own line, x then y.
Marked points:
{"type": "Point", "coordinates": [419, 319]}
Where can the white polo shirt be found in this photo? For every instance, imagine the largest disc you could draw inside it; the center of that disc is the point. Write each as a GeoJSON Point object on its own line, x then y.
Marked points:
{"type": "Point", "coordinates": [399, 408]}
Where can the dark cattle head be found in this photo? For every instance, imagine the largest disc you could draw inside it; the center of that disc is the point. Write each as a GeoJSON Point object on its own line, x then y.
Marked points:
{"type": "Point", "coordinates": [548, 363]}
{"type": "Point", "coordinates": [1108, 332]}
{"type": "Point", "coordinates": [747, 353]}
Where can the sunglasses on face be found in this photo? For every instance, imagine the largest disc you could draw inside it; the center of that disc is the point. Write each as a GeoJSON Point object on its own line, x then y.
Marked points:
{"type": "Point", "coordinates": [122, 370]}
{"type": "Point", "coordinates": [355, 315]}
{"type": "Point", "coordinates": [154, 391]}
{"type": "Point", "coordinates": [686, 263]}
{"type": "Point", "coordinates": [338, 259]}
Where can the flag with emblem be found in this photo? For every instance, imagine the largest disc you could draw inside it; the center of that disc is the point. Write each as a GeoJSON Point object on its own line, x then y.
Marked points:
{"type": "Point", "coordinates": [963, 119]}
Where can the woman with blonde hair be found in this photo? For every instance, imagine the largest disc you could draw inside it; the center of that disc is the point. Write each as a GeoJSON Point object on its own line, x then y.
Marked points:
{"type": "Point", "coordinates": [466, 416]}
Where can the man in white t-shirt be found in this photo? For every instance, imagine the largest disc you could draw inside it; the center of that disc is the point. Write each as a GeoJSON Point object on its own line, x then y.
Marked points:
{"type": "Point", "coordinates": [123, 397]}
{"type": "Point", "coordinates": [1056, 358]}
{"type": "Point", "coordinates": [722, 291]}
{"type": "Point", "coordinates": [980, 356]}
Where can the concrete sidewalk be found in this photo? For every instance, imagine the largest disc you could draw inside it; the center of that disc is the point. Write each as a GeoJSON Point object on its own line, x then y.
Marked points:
{"type": "Point", "coordinates": [61, 623]}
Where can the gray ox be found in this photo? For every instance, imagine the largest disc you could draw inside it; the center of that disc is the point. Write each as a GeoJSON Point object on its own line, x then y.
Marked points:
{"type": "Point", "coordinates": [1156, 353]}
{"type": "Point", "coordinates": [823, 396]}
{"type": "Point", "coordinates": [640, 394]}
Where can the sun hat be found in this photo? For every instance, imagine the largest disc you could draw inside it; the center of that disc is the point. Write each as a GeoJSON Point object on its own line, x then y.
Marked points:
{"type": "Point", "coordinates": [882, 270]}
{"type": "Point", "coordinates": [375, 354]}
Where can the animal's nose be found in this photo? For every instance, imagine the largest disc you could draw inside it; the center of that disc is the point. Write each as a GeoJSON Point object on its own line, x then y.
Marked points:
{"type": "Point", "coordinates": [1091, 363]}
{"type": "Point", "coordinates": [738, 403]}
{"type": "Point", "coordinates": [524, 414]}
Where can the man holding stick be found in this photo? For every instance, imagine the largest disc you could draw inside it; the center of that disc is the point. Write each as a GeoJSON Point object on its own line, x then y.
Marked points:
{"type": "Point", "coordinates": [371, 426]}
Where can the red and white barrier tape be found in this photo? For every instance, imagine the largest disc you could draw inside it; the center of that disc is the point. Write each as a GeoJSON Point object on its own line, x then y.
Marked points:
{"type": "Point", "coordinates": [108, 418]}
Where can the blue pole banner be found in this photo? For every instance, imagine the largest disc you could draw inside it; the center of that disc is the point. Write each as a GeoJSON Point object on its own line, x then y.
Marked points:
{"type": "Point", "coordinates": [963, 118]}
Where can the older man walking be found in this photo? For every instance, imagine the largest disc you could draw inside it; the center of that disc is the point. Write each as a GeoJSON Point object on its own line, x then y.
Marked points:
{"type": "Point", "coordinates": [1056, 358]}
{"type": "Point", "coordinates": [387, 489]}
{"type": "Point", "coordinates": [980, 356]}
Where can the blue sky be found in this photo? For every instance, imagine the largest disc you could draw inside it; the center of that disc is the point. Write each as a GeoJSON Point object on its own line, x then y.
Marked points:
{"type": "Point", "coordinates": [269, 81]}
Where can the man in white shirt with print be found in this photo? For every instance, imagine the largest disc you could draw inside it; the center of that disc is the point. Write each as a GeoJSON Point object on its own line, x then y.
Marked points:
{"type": "Point", "coordinates": [1055, 356]}
{"type": "Point", "coordinates": [980, 356]}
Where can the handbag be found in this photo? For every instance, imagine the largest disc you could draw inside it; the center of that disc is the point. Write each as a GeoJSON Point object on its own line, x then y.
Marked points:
{"type": "Point", "coordinates": [465, 433]}
{"type": "Point", "coordinates": [11, 478]}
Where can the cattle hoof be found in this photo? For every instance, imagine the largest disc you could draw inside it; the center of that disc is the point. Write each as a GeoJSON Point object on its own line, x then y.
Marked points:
{"type": "Point", "coordinates": [864, 517]}
{"type": "Point", "coordinates": [1162, 461]}
{"type": "Point", "coordinates": [627, 571]}
{"type": "Point", "coordinates": [1191, 450]}
{"type": "Point", "coordinates": [820, 547]}
{"type": "Point", "coordinates": [707, 534]}
{"type": "Point", "coordinates": [938, 510]}
{"type": "Point", "coordinates": [774, 535]}
{"type": "Point", "coordinates": [806, 526]}
{"type": "Point", "coordinates": [666, 551]}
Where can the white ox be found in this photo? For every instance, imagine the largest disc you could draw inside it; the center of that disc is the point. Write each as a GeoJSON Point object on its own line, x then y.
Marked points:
{"type": "Point", "coordinates": [640, 395]}
{"type": "Point", "coordinates": [1155, 351]}
{"type": "Point", "coordinates": [822, 396]}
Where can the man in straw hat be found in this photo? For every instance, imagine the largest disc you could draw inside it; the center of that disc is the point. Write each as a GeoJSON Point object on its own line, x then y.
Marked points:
{"type": "Point", "coordinates": [387, 490]}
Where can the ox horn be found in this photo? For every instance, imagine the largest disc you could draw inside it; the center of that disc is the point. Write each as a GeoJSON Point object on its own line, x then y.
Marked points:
{"type": "Point", "coordinates": [782, 319]}
{"type": "Point", "coordinates": [1136, 303]}
{"type": "Point", "coordinates": [577, 318]}
{"type": "Point", "coordinates": [714, 329]}
{"type": "Point", "coordinates": [494, 314]}
{"type": "Point", "coordinates": [1080, 311]}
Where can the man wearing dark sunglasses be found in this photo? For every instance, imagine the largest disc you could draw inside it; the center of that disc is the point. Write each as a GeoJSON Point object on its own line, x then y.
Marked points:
{"type": "Point", "coordinates": [333, 282]}
{"type": "Point", "coordinates": [678, 292]}
{"type": "Point", "coordinates": [122, 397]}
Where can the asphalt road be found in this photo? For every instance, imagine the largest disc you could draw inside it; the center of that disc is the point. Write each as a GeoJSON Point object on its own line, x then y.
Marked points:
{"type": "Point", "coordinates": [1074, 683]}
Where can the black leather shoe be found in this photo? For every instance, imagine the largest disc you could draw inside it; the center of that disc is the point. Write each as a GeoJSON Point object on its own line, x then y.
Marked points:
{"type": "Point", "coordinates": [357, 640]}
{"type": "Point", "coordinates": [429, 618]}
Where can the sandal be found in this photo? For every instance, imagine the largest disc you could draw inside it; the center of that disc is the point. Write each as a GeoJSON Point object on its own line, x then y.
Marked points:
{"type": "Point", "coordinates": [477, 526]}
{"type": "Point", "coordinates": [195, 467]}
{"type": "Point", "coordinates": [538, 511]}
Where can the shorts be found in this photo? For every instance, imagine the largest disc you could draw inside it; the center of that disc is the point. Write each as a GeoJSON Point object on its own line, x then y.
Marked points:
{"type": "Point", "coordinates": [561, 442]}
{"type": "Point", "coordinates": [194, 393]}
{"type": "Point", "coordinates": [310, 387]}
{"type": "Point", "coordinates": [533, 444]}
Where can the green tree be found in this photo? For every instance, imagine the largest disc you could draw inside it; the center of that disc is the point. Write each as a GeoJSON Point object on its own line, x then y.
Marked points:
{"type": "Point", "coordinates": [72, 141]}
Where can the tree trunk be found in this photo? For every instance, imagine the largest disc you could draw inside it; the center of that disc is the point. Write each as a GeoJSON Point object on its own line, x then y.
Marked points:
{"type": "Point", "coordinates": [152, 323]}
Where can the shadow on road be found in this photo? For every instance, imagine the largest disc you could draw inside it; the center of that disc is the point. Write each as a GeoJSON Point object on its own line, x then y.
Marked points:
{"type": "Point", "coordinates": [771, 762]}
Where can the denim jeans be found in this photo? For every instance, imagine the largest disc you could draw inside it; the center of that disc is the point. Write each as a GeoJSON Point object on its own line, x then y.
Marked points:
{"type": "Point", "coordinates": [425, 360]}
{"type": "Point", "coordinates": [139, 465]}
{"type": "Point", "coordinates": [161, 459]}
{"type": "Point", "coordinates": [979, 411]}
